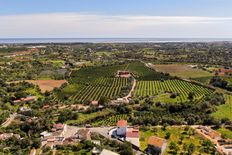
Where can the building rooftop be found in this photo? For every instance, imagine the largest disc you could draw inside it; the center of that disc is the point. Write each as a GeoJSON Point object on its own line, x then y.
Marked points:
{"type": "Point", "coordinates": [122, 123]}
{"type": "Point", "coordinates": [132, 133]}
{"type": "Point", "coordinates": [108, 152]}
{"type": "Point", "coordinates": [94, 102]}
{"type": "Point", "coordinates": [156, 141]}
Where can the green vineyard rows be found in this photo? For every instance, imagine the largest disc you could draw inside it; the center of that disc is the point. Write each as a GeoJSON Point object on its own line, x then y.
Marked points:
{"type": "Point", "coordinates": [111, 121]}
{"type": "Point", "coordinates": [183, 88]}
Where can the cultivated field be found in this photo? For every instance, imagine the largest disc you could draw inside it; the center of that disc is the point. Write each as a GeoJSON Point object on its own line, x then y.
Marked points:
{"type": "Point", "coordinates": [47, 85]}
{"type": "Point", "coordinates": [91, 83]}
{"type": "Point", "coordinates": [111, 120]}
{"type": "Point", "coordinates": [162, 90]}
{"type": "Point", "coordinates": [107, 87]}
{"type": "Point", "coordinates": [225, 110]}
{"type": "Point", "coordinates": [225, 132]}
{"type": "Point", "coordinates": [182, 70]}
{"type": "Point", "coordinates": [176, 134]}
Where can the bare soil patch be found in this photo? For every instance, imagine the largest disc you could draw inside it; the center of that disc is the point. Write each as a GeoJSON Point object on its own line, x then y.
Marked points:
{"type": "Point", "coordinates": [47, 85]}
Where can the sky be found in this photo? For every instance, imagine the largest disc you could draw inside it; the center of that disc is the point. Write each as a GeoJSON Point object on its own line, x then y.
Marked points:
{"type": "Point", "coordinates": [115, 18]}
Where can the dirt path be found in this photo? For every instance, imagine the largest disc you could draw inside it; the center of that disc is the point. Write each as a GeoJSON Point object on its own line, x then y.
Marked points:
{"type": "Point", "coordinates": [9, 120]}
{"type": "Point", "coordinates": [131, 91]}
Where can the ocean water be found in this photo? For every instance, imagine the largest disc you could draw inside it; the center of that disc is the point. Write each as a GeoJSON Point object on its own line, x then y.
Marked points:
{"type": "Point", "coordinates": [108, 40]}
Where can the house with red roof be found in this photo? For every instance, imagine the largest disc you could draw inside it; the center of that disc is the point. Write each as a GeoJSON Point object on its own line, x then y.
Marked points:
{"type": "Point", "coordinates": [156, 145]}
{"type": "Point", "coordinates": [125, 74]}
{"type": "Point", "coordinates": [59, 127]}
{"type": "Point", "coordinates": [25, 100]}
{"type": "Point", "coordinates": [132, 136]}
{"type": "Point", "coordinates": [95, 103]}
{"type": "Point", "coordinates": [121, 128]}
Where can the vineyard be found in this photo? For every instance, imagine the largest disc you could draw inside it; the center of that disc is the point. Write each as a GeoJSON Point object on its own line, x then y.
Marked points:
{"type": "Point", "coordinates": [111, 121]}
{"type": "Point", "coordinates": [165, 88]}
{"type": "Point", "coordinates": [107, 87]}
{"type": "Point", "coordinates": [92, 83]}
{"type": "Point", "coordinates": [142, 72]}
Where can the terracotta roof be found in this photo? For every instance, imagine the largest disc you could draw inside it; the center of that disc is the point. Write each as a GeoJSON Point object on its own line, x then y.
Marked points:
{"type": "Point", "coordinates": [46, 106]}
{"type": "Point", "coordinates": [133, 133]}
{"type": "Point", "coordinates": [156, 141]}
{"type": "Point", "coordinates": [94, 102]}
{"type": "Point", "coordinates": [59, 125]}
{"type": "Point", "coordinates": [226, 70]}
{"type": "Point", "coordinates": [122, 123]}
{"type": "Point", "coordinates": [17, 101]}
{"type": "Point", "coordinates": [29, 98]}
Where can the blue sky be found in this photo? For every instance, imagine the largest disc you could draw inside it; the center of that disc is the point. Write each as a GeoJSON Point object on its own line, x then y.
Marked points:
{"type": "Point", "coordinates": [115, 18]}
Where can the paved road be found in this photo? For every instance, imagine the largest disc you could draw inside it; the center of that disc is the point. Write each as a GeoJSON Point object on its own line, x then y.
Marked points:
{"type": "Point", "coordinates": [101, 130]}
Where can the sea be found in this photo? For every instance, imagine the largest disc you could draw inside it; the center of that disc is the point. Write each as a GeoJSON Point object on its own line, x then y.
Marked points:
{"type": "Point", "coordinates": [108, 40]}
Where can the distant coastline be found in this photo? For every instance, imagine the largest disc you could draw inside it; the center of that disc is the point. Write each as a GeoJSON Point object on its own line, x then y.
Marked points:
{"type": "Point", "coordinates": [107, 40]}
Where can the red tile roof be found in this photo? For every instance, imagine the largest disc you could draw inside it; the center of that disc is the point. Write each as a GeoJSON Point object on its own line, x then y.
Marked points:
{"type": "Point", "coordinates": [122, 123]}
{"type": "Point", "coordinates": [94, 102]}
{"type": "Point", "coordinates": [58, 126]}
{"type": "Point", "coordinates": [156, 141]}
{"type": "Point", "coordinates": [132, 132]}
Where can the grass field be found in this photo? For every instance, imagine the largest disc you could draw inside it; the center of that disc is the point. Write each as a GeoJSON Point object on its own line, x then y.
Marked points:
{"type": "Point", "coordinates": [225, 110]}
{"type": "Point", "coordinates": [87, 118]}
{"type": "Point", "coordinates": [225, 133]}
{"type": "Point", "coordinates": [182, 70]}
{"type": "Point", "coordinates": [161, 91]}
{"type": "Point", "coordinates": [175, 135]}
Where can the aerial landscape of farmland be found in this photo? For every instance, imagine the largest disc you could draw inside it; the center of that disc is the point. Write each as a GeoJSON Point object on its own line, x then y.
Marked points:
{"type": "Point", "coordinates": [107, 77]}
{"type": "Point", "coordinates": [98, 93]}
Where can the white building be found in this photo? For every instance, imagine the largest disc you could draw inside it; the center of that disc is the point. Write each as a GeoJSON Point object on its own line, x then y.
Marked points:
{"type": "Point", "coordinates": [121, 128]}
{"type": "Point", "coordinates": [108, 152]}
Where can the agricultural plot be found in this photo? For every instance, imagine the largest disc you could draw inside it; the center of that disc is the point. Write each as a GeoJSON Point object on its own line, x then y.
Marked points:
{"type": "Point", "coordinates": [89, 118]}
{"type": "Point", "coordinates": [183, 71]}
{"type": "Point", "coordinates": [142, 72]}
{"type": "Point", "coordinates": [225, 110]}
{"type": "Point", "coordinates": [107, 87]}
{"type": "Point", "coordinates": [162, 90]}
{"type": "Point", "coordinates": [91, 74]}
{"type": "Point", "coordinates": [179, 135]}
{"type": "Point", "coordinates": [92, 83]}
{"type": "Point", "coordinates": [111, 121]}
{"type": "Point", "coordinates": [47, 85]}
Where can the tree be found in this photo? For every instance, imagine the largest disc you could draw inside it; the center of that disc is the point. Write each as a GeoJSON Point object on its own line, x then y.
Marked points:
{"type": "Point", "coordinates": [173, 147]}
{"type": "Point", "coordinates": [191, 95]}
{"type": "Point", "coordinates": [126, 149]}
{"type": "Point", "coordinates": [167, 136]}
{"type": "Point", "coordinates": [103, 101]}
{"type": "Point", "coordinates": [191, 149]}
